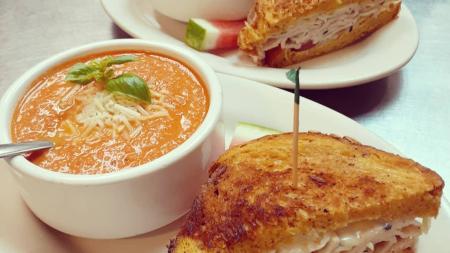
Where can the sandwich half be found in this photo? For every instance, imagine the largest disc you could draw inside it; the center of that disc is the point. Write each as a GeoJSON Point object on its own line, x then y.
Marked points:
{"type": "Point", "coordinates": [284, 32]}
{"type": "Point", "coordinates": [350, 198]}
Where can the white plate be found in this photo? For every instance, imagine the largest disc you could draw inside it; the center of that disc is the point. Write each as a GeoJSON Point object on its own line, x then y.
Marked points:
{"type": "Point", "coordinates": [384, 52]}
{"type": "Point", "coordinates": [21, 232]}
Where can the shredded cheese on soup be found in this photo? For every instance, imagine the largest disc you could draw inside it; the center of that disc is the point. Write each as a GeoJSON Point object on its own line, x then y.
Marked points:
{"type": "Point", "coordinates": [100, 110]}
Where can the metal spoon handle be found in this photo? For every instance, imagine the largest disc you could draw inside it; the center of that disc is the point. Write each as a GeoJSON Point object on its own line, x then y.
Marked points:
{"type": "Point", "coordinates": [14, 149]}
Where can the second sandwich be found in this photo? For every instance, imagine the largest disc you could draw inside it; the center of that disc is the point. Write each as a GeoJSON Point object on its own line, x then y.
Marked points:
{"type": "Point", "coordinates": [285, 32]}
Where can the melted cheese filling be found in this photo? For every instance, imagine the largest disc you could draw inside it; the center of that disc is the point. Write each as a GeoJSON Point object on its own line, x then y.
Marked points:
{"type": "Point", "coordinates": [362, 237]}
{"type": "Point", "coordinates": [323, 27]}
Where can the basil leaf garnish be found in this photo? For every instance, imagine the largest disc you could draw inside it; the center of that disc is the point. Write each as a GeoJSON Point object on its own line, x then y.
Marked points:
{"type": "Point", "coordinates": [108, 74]}
{"type": "Point", "coordinates": [131, 85]}
{"type": "Point", "coordinates": [126, 84]}
{"type": "Point", "coordinates": [101, 63]}
{"type": "Point", "coordinates": [122, 59]}
{"type": "Point", "coordinates": [291, 75]}
{"type": "Point", "coordinates": [82, 73]}
{"type": "Point", "coordinates": [97, 69]}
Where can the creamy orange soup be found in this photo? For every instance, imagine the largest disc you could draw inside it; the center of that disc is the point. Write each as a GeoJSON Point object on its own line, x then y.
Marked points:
{"type": "Point", "coordinates": [88, 126]}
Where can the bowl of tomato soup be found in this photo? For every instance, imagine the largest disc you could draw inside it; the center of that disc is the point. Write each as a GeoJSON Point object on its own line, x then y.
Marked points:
{"type": "Point", "coordinates": [135, 125]}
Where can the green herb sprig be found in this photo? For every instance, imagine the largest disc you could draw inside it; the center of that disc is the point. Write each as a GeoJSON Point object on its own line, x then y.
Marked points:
{"type": "Point", "coordinates": [127, 84]}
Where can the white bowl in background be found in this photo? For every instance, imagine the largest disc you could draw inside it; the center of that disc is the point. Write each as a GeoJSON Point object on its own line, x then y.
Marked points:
{"type": "Point", "coordinates": [131, 201]}
{"type": "Point", "coordinates": [183, 10]}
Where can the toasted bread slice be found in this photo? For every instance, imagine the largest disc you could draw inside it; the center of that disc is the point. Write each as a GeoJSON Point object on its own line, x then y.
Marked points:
{"type": "Point", "coordinates": [272, 19]}
{"type": "Point", "coordinates": [250, 205]}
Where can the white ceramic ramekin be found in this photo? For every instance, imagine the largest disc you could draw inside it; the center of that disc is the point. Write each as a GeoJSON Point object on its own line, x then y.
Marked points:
{"type": "Point", "coordinates": [131, 201]}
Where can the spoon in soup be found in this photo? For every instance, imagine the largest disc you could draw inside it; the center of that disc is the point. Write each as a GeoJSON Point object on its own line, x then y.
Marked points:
{"type": "Point", "coordinates": [13, 149]}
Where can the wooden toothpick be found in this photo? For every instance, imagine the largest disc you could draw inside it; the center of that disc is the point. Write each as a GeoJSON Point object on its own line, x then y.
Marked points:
{"type": "Point", "coordinates": [296, 128]}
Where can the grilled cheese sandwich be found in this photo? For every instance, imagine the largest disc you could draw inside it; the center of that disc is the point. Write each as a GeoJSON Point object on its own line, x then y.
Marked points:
{"type": "Point", "coordinates": [350, 198]}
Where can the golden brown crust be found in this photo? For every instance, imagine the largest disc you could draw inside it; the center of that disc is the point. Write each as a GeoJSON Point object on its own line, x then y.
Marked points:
{"type": "Point", "coordinates": [252, 37]}
{"type": "Point", "coordinates": [250, 205]}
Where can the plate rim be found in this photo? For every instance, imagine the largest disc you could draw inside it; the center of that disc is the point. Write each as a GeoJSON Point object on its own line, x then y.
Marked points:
{"type": "Point", "coordinates": [383, 144]}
